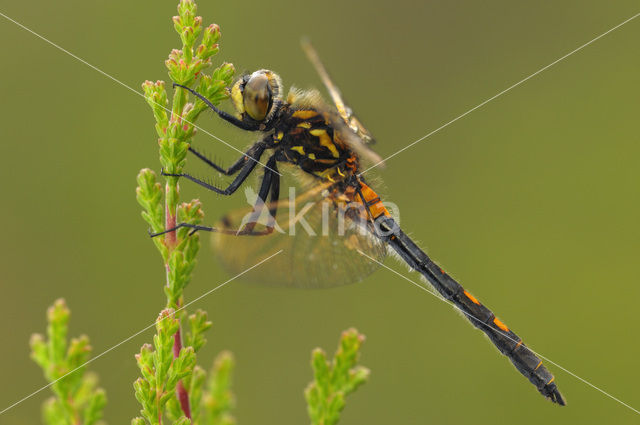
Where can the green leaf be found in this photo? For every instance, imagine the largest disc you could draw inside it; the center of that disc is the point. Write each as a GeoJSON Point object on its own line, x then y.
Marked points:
{"type": "Point", "coordinates": [198, 325]}
{"type": "Point", "coordinates": [77, 400]}
{"type": "Point", "coordinates": [335, 379]}
{"type": "Point", "coordinates": [182, 421]}
{"type": "Point", "coordinates": [218, 398]}
{"type": "Point", "coordinates": [93, 411]}
{"type": "Point", "coordinates": [198, 379]}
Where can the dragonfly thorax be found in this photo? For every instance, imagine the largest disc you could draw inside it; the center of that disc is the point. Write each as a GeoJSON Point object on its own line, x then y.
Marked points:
{"type": "Point", "coordinates": [306, 138]}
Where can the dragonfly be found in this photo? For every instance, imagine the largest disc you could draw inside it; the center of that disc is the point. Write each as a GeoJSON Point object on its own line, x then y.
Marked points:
{"type": "Point", "coordinates": [321, 149]}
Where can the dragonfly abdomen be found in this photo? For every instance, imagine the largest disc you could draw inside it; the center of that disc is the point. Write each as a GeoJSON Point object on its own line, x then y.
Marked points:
{"type": "Point", "coordinates": [507, 342]}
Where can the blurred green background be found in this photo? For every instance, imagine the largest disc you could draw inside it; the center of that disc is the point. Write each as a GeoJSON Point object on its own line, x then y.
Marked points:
{"type": "Point", "coordinates": [532, 202]}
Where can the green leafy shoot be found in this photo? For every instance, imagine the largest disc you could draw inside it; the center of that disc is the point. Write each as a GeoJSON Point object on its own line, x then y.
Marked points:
{"type": "Point", "coordinates": [161, 371]}
{"type": "Point", "coordinates": [218, 400]}
{"type": "Point", "coordinates": [76, 400]}
{"type": "Point", "coordinates": [159, 395]}
{"type": "Point", "coordinates": [175, 128]}
{"type": "Point", "coordinates": [335, 379]}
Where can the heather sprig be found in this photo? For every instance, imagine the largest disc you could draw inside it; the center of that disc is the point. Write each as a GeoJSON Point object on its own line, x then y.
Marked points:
{"type": "Point", "coordinates": [334, 380]}
{"type": "Point", "coordinates": [77, 400]}
{"type": "Point", "coordinates": [162, 209]}
{"type": "Point", "coordinates": [161, 370]}
{"type": "Point", "coordinates": [219, 400]}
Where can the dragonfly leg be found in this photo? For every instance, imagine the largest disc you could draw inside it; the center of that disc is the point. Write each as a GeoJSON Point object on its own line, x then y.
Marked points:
{"type": "Point", "coordinates": [194, 227]}
{"type": "Point", "coordinates": [249, 164]}
{"type": "Point", "coordinates": [275, 190]}
{"type": "Point", "coordinates": [270, 182]}
{"type": "Point", "coordinates": [236, 166]}
{"type": "Point", "coordinates": [250, 126]}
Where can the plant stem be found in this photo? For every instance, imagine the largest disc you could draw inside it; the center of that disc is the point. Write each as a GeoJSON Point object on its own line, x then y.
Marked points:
{"type": "Point", "coordinates": [181, 392]}
{"type": "Point", "coordinates": [170, 222]}
{"type": "Point", "coordinates": [171, 241]}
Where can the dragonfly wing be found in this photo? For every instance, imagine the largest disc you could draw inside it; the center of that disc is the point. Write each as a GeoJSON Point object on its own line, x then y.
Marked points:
{"type": "Point", "coordinates": [318, 250]}
{"type": "Point", "coordinates": [345, 112]}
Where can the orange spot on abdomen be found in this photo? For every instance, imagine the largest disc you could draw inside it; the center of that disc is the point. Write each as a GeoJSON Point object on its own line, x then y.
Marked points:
{"type": "Point", "coordinates": [471, 297]}
{"type": "Point", "coordinates": [377, 208]}
{"type": "Point", "coordinates": [501, 325]}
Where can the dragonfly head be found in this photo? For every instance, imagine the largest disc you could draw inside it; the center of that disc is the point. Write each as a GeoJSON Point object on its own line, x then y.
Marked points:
{"type": "Point", "coordinates": [257, 96]}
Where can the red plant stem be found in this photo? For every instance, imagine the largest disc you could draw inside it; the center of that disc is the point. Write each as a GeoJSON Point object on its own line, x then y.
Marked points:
{"type": "Point", "coordinates": [181, 392]}
{"type": "Point", "coordinates": [171, 241]}
{"type": "Point", "coordinates": [169, 223]}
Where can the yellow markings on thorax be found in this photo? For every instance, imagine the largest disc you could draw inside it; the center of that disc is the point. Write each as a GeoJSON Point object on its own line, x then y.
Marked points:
{"type": "Point", "coordinates": [328, 174]}
{"type": "Point", "coordinates": [325, 141]}
{"type": "Point", "coordinates": [298, 149]}
{"type": "Point", "coordinates": [278, 137]}
{"type": "Point", "coordinates": [304, 124]}
{"type": "Point", "coordinates": [312, 156]}
{"type": "Point", "coordinates": [305, 114]}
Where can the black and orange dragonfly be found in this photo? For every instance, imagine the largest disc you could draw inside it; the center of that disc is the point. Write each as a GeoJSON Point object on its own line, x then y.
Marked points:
{"type": "Point", "coordinates": [322, 149]}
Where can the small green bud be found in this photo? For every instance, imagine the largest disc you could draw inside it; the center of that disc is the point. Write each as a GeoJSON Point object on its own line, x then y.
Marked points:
{"type": "Point", "coordinates": [58, 314]}
{"type": "Point", "coordinates": [198, 325]}
{"type": "Point", "coordinates": [186, 8]}
{"type": "Point", "coordinates": [79, 350]}
{"type": "Point", "coordinates": [224, 72]}
{"type": "Point", "coordinates": [211, 35]}
{"type": "Point", "coordinates": [149, 195]}
{"type": "Point", "coordinates": [53, 412]}
{"type": "Point", "coordinates": [93, 411]}
{"type": "Point", "coordinates": [156, 96]}
{"type": "Point", "coordinates": [209, 46]}
{"type": "Point", "coordinates": [198, 379]}
{"type": "Point", "coordinates": [177, 24]}
{"type": "Point", "coordinates": [39, 351]}
{"type": "Point", "coordinates": [182, 421]}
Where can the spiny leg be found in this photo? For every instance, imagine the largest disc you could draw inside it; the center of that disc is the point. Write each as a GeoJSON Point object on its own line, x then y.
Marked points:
{"type": "Point", "coordinates": [250, 155]}
{"type": "Point", "coordinates": [267, 179]}
{"type": "Point", "coordinates": [251, 126]}
{"type": "Point", "coordinates": [245, 171]}
{"type": "Point", "coordinates": [275, 190]}
{"type": "Point", "coordinates": [194, 227]}
{"type": "Point", "coordinates": [271, 180]}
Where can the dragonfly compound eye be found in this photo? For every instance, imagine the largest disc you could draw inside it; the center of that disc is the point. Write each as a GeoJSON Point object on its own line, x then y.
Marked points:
{"type": "Point", "coordinates": [257, 96]}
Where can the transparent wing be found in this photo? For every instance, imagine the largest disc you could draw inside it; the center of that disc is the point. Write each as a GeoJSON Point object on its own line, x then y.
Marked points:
{"type": "Point", "coordinates": [355, 142]}
{"type": "Point", "coordinates": [318, 234]}
{"type": "Point", "coordinates": [343, 109]}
